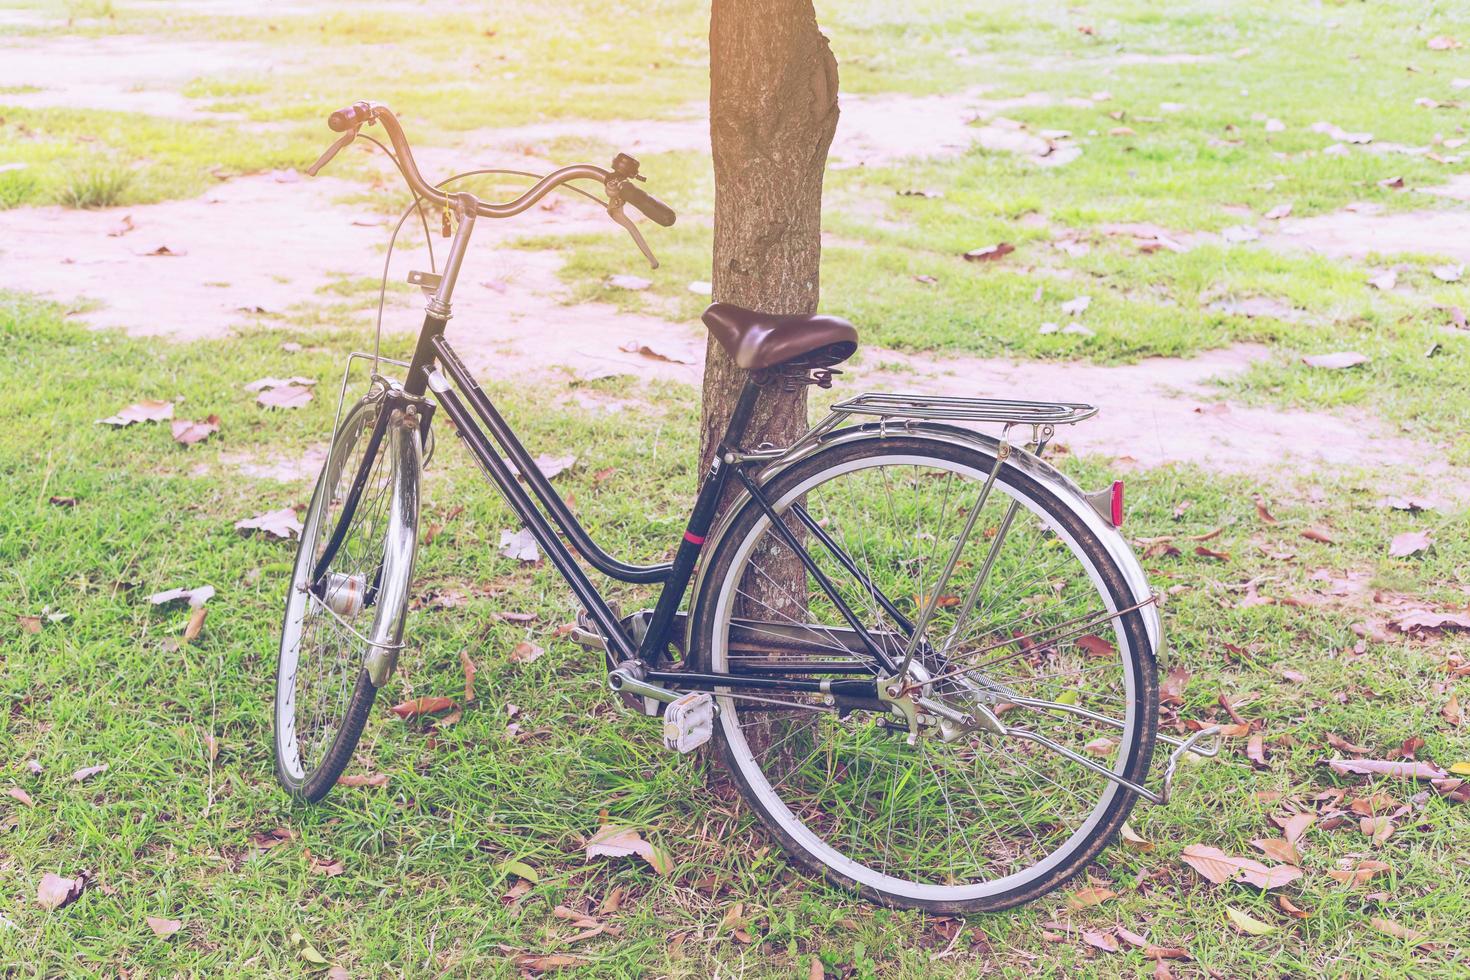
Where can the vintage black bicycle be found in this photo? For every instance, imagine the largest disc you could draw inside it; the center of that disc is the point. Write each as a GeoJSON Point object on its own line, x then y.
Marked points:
{"type": "Point", "coordinates": [928, 657]}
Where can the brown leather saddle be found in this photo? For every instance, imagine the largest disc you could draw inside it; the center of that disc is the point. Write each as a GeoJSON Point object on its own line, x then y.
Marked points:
{"type": "Point", "coordinates": [763, 340]}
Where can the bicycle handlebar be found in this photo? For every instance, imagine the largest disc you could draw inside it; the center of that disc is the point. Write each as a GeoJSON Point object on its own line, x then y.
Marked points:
{"type": "Point", "coordinates": [349, 118]}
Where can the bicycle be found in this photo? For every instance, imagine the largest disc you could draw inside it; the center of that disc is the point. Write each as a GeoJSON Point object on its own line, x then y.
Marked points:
{"type": "Point", "coordinates": [927, 657]}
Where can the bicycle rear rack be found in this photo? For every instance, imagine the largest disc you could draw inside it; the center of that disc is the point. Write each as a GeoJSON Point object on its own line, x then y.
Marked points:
{"type": "Point", "coordinates": [1010, 412]}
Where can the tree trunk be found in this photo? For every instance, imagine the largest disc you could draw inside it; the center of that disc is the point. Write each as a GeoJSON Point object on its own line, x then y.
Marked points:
{"type": "Point", "coordinates": [773, 110]}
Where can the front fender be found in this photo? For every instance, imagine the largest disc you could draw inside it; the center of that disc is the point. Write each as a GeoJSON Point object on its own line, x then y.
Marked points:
{"type": "Point", "coordinates": [1067, 491]}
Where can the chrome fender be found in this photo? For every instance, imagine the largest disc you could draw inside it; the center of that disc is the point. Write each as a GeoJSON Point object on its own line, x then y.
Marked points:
{"type": "Point", "coordinates": [1068, 492]}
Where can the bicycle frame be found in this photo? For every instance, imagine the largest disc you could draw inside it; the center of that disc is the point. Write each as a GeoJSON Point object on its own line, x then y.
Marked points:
{"type": "Point", "coordinates": [438, 371]}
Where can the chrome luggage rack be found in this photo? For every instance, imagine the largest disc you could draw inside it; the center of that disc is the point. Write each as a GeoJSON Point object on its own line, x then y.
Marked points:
{"type": "Point", "coordinates": [1010, 412]}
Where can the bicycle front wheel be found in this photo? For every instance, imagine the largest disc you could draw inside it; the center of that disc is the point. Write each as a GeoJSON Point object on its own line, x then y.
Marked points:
{"type": "Point", "coordinates": [1036, 625]}
{"type": "Point", "coordinates": [348, 594]}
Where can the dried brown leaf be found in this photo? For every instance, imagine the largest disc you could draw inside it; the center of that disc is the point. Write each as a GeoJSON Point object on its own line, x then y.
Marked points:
{"type": "Point", "coordinates": [187, 433]}
{"type": "Point", "coordinates": [163, 928]}
{"type": "Point", "coordinates": [990, 253]}
{"type": "Point", "coordinates": [421, 706]}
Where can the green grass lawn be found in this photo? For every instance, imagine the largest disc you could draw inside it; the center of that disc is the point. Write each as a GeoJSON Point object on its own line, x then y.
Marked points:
{"type": "Point", "coordinates": [168, 829]}
{"type": "Point", "coordinates": [173, 828]}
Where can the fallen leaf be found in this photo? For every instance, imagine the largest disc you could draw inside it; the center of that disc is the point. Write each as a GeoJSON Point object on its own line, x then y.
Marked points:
{"type": "Point", "coordinates": [1378, 828]}
{"type": "Point", "coordinates": [1391, 183]}
{"type": "Point", "coordinates": [1286, 905]}
{"type": "Point", "coordinates": [616, 841]}
{"type": "Point", "coordinates": [1247, 924]}
{"type": "Point", "coordinates": [1319, 534]}
{"type": "Point", "coordinates": [289, 396]}
{"type": "Point", "coordinates": [1171, 691]}
{"type": "Point", "coordinates": [1104, 941]}
{"type": "Point", "coordinates": [56, 892]}
{"type": "Point", "coordinates": [1238, 234]}
{"type": "Point", "coordinates": [122, 227]}
{"type": "Point", "coordinates": [545, 963]}
{"type": "Point", "coordinates": [1096, 646]}
{"type": "Point", "coordinates": [164, 251]}
{"type": "Point", "coordinates": [1409, 543]}
{"type": "Point", "coordinates": [634, 347]}
{"type": "Point", "coordinates": [197, 596]}
{"type": "Point", "coordinates": [187, 433]}
{"type": "Point", "coordinates": [1133, 840]}
{"type": "Point", "coordinates": [1411, 504]}
{"type": "Point", "coordinates": [1335, 362]}
{"type": "Point", "coordinates": [267, 839]}
{"type": "Point", "coordinates": [632, 283]}
{"type": "Point", "coordinates": [1391, 928]}
{"type": "Point", "coordinates": [87, 772]}
{"type": "Point", "coordinates": [1384, 281]}
{"type": "Point", "coordinates": [1263, 512]}
{"type": "Point", "coordinates": [1451, 711]}
{"type": "Point", "coordinates": [1442, 42]}
{"type": "Point", "coordinates": [1204, 552]}
{"type": "Point", "coordinates": [1278, 212]}
{"type": "Point", "coordinates": [150, 410]}
{"type": "Point", "coordinates": [195, 623]}
{"type": "Point", "coordinates": [521, 870]}
{"type": "Point", "coordinates": [520, 545]}
{"type": "Point", "coordinates": [1340, 134]}
{"type": "Point", "coordinates": [1255, 751]}
{"type": "Point", "coordinates": [553, 466]}
{"type": "Point", "coordinates": [15, 792]}
{"type": "Point", "coordinates": [1075, 307]}
{"type": "Point", "coordinates": [1448, 273]}
{"type": "Point", "coordinates": [1351, 874]}
{"type": "Point", "coordinates": [421, 706]}
{"type": "Point", "coordinates": [990, 253]}
{"type": "Point", "coordinates": [1087, 897]}
{"type": "Point", "coordinates": [1423, 619]}
{"type": "Point", "coordinates": [280, 524]}
{"type": "Point", "coordinates": [319, 864]}
{"type": "Point", "coordinates": [163, 928]}
{"type": "Point", "coordinates": [376, 780]}
{"type": "Point", "coordinates": [62, 501]}
{"type": "Point", "coordinates": [1343, 745]}
{"type": "Point", "coordinates": [1385, 767]}
{"type": "Point", "coordinates": [468, 666]}
{"type": "Point", "coordinates": [1219, 867]}
{"type": "Point", "coordinates": [525, 652]}
{"type": "Point", "coordinates": [262, 384]}
{"type": "Point", "coordinates": [1277, 850]}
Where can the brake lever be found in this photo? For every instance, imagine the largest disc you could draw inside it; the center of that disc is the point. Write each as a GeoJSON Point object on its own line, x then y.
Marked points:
{"type": "Point", "coordinates": [332, 151]}
{"type": "Point", "coordinates": [615, 212]}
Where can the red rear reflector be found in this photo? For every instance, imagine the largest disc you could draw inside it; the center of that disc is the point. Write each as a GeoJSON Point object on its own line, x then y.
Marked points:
{"type": "Point", "coordinates": [1116, 513]}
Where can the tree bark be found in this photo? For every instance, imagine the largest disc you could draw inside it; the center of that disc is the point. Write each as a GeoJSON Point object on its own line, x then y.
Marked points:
{"type": "Point", "coordinates": [773, 111]}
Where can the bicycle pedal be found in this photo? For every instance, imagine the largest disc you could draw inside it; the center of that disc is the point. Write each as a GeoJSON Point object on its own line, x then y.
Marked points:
{"type": "Point", "coordinates": [689, 722]}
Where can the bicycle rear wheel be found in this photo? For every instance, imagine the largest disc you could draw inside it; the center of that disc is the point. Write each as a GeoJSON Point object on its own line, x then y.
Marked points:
{"type": "Point", "coordinates": [1036, 620]}
{"type": "Point", "coordinates": [348, 594]}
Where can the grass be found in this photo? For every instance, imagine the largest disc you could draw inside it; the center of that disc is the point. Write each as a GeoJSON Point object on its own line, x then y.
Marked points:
{"type": "Point", "coordinates": [99, 186]}
{"type": "Point", "coordinates": [167, 829]}
{"type": "Point", "coordinates": [167, 832]}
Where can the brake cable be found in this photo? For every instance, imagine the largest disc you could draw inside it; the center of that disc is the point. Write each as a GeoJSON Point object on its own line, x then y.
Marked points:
{"type": "Point", "coordinates": [418, 204]}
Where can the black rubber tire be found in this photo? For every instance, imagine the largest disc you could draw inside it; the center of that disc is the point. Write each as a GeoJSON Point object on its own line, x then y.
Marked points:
{"type": "Point", "coordinates": [314, 784]}
{"type": "Point", "coordinates": [319, 782]}
{"type": "Point", "coordinates": [1144, 664]}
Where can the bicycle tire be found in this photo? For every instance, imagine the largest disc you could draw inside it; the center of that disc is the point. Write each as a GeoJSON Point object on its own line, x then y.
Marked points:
{"type": "Point", "coordinates": [712, 615]}
{"type": "Point", "coordinates": [387, 512]}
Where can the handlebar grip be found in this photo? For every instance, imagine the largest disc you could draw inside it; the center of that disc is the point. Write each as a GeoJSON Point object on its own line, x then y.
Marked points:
{"type": "Point", "coordinates": [349, 116]}
{"type": "Point", "coordinates": [655, 210]}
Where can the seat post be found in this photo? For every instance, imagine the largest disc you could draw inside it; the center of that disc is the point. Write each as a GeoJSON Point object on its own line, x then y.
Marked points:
{"type": "Point", "coordinates": [740, 418]}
